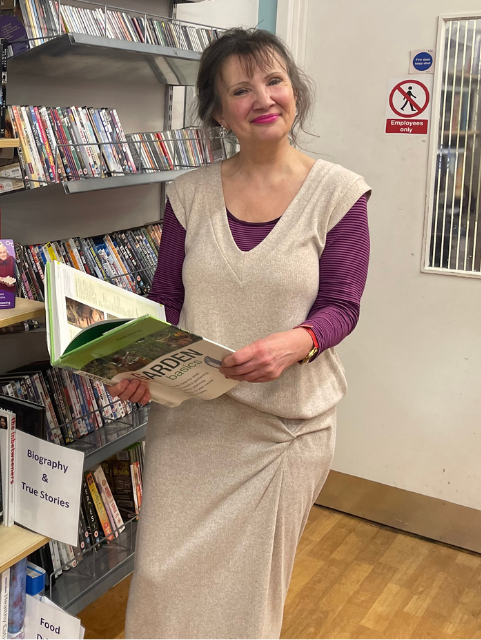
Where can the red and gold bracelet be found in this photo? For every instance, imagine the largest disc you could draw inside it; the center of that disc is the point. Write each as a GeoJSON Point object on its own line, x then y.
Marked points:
{"type": "Point", "coordinates": [315, 349]}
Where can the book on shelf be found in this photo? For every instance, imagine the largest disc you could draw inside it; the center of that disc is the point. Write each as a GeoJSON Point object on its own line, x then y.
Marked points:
{"type": "Point", "coordinates": [71, 405]}
{"type": "Point", "coordinates": [12, 28]}
{"type": "Point", "coordinates": [69, 143]}
{"type": "Point", "coordinates": [75, 143]}
{"type": "Point", "coordinates": [25, 611]}
{"type": "Point", "coordinates": [8, 280]}
{"type": "Point", "coordinates": [125, 258]}
{"type": "Point", "coordinates": [102, 494]}
{"type": "Point", "coordinates": [17, 594]}
{"type": "Point", "coordinates": [11, 177]}
{"type": "Point", "coordinates": [45, 19]}
{"type": "Point", "coordinates": [175, 148]}
{"type": "Point", "coordinates": [7, 454]}
{"type": "Point", "coordinates": [4, 598]}
{"type": "Point", "coordinates": [15, 414]}
{"type": "Point", "coordinates": [116, 522]}
{"type": "Point", "coordinates": [30, 416]}
{"type": "Point", "coordinates": [128, 338]}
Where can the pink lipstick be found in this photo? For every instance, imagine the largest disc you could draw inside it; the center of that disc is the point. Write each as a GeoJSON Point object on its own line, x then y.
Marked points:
{"type": "Point", "coordinates": [268, 118]}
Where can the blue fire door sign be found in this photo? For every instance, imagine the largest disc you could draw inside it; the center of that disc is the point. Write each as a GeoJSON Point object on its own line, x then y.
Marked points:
{"type": "Point", "coordinates": [422, 61]}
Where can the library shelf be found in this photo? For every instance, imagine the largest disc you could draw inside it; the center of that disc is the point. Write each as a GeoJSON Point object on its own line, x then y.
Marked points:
{"type": "Point", "coordinates": [94, 58]}
{"type": "Point", "coordinates": [100, 184]}
{"type": "Point", "coordinates": [116, 182]}
{"type": "Point", "coordinates": [24, 310]}
{"type": "Point", "coordinates": [112, 437]}
{"type": "Point", "coordinates": [99, 570]}
{"type": "Point", "coordinates": [8, 143]}
{"type": "Point", "coordinates": [16, 543]}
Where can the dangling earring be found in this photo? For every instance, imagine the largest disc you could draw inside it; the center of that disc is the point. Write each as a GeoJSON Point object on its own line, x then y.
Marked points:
{"type": "Point", "coordinates": [223, 131]}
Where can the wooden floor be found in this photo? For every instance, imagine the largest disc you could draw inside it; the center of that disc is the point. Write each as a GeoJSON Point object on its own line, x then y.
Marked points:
{"type": "Point", "coordinates": [355, 579]}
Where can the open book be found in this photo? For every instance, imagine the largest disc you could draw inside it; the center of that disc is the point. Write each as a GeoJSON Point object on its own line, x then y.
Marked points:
{"type": "Point", "coordinates": [110, 334]}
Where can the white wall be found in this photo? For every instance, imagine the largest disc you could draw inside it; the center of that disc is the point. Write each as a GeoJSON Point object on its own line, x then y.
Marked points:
{"type": "Point", "coordinates": [221, 13]}
{"type": "Point", "coordinates": [217, 13]}
{"type": "Point", "coordinates": [412, 417]}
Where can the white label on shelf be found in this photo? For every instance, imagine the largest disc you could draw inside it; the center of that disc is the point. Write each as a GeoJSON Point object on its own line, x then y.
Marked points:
{"type": "Point", "coordinates": [47, 488]}
{"type": "Point", "coordinates": [43, 619]}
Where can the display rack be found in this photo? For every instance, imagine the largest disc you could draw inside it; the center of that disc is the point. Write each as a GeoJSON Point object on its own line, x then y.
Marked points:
{"type": "Point", "coordinates": [116, 182]}
{"type": "Point", "coordinates": [112, 437]}
{"type": "Point", "coordinates": [99, 570]}
{"type": "Point", "coordinates": [94, 58]}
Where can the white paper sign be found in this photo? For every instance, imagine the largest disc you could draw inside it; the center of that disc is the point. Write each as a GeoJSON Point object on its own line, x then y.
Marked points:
{"type": "Point", "coordinates": [44, 620]}
{"type": "Point", "coordinates": [47, 488]}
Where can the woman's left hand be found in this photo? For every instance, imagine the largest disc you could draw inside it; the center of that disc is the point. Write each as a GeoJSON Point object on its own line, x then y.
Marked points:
{"type": "Point", "coordinates": [265, 359]}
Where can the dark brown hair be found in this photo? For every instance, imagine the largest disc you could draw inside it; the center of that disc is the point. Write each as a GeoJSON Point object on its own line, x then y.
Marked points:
{"type": "Point", "coordinates": [254, 47]}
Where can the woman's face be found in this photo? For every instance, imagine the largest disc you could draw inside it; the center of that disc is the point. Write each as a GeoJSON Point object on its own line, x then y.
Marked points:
{"type": "Point", "coordinates": [3, 423]}
{"type": "Point", "coordinates": [257, 108]}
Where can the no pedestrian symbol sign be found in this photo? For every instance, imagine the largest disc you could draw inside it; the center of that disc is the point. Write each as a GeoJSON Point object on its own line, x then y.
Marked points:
{"type": "Point", "coordinates": [408, 105]}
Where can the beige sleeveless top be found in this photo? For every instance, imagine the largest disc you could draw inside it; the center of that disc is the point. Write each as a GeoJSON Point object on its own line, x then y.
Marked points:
{"type": "Point", "coordinates": [235, 297]}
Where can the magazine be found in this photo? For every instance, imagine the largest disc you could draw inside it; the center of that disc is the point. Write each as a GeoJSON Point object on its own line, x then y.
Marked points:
{"type": "Point", "coordinates": [109, 334]}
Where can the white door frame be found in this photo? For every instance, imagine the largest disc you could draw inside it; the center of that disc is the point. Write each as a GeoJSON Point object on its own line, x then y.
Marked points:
{"type": "Point", "coordinates": [292, 27]}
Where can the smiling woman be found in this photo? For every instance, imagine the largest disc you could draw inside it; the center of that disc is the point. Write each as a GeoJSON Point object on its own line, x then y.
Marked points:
{"type": "Point", "coordinates": [251, 50]}
{"type": "Point", "coordinates": [266, 252]}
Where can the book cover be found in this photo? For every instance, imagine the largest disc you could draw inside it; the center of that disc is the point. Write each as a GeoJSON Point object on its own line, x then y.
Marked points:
{"type": "Point", "coordinates": [30, 416]}
{"type": "Point", "coordinates": [8, 281]}
{"type": "Point", "coordinates": [91, 518]}
{"type": "Point", "coordinates": [99, 506]}
{"type": "Point", "coordinates": [4, 593]}
{"type": "Point", "coordinates": [109, 501]}
{"type": "Point", "coordinates": [113, 347]}
{"type": "Point", "coordinates": [7, 451]}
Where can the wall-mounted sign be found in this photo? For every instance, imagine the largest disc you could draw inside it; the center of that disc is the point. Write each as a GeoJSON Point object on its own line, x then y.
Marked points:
{"type": "Point", "coordinates": [408, 105]}
{"type": "Point", "coordinates": [421, 61]}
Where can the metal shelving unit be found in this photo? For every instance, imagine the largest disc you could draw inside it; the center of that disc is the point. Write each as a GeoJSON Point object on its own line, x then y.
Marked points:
{"type": "Point", "coordinates": [99, 184]}
{"type": "Point", "coordinates": [99, 570]}
{"type": "Point", "coordinates": [112, 437]}
{"type": "Point", "coordinates": [95, 58]}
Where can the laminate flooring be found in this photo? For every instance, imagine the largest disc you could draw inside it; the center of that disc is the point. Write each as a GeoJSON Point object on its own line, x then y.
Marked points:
{"type": "Point", "coordinates": [356, 579]}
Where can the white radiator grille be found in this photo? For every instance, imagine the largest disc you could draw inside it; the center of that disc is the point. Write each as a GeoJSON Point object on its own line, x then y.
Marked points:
{"type": "Point", "coordinates": [455, 234]}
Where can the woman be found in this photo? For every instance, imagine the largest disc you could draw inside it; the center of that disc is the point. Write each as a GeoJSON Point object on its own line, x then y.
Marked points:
{"type": "Point", "coordinates": [266, 253]}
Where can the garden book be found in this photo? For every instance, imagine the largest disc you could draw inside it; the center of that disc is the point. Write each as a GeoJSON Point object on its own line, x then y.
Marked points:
{"type": "Point", "coordinates": [110, 334]}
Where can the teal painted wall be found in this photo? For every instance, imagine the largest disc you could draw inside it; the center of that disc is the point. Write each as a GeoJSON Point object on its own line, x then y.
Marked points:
{"type": "Point", "coordinates": [267, 15]}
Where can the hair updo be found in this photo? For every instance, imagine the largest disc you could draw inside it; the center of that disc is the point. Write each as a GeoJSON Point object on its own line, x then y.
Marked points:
{"type": "Point", "coordinates": [254, 47]}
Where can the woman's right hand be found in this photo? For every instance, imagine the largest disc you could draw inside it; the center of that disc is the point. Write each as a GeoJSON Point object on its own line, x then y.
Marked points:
{"type": "Point", "coordinates": [133, 390]}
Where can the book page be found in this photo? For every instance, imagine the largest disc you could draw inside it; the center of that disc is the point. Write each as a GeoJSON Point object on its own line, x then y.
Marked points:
{"type": "Point", "coordinates": [81, 300]}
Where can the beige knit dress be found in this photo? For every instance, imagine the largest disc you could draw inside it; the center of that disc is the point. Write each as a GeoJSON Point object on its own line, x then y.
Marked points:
{"type": "Point", "coordinates": [229, 483]}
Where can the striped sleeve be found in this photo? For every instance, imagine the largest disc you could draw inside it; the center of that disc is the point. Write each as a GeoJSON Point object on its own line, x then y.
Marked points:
{"type": "Point", "coordinates": [343, 270]}
{"type": "Point", "coordinates": [167, 286]}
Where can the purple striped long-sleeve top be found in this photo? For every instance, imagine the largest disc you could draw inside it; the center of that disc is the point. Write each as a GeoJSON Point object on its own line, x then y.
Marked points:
{"type": "Point", "coordinates": [342, 270]}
